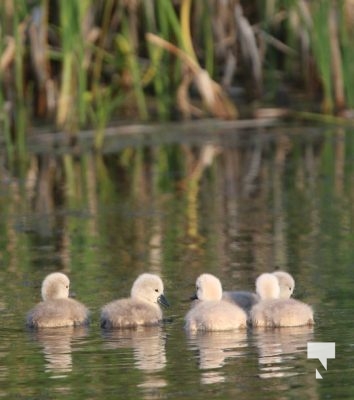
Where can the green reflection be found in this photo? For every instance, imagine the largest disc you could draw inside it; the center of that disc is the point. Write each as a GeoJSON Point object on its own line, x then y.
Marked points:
{"type": "Point", "coordinates": [235, 207]}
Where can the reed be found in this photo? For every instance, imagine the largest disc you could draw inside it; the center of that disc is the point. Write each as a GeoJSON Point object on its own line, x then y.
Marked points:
{"type": "Point", "coordinates": [125, 47]}
{"type": "Point", "coordinates": [157, 73]}
{"type": "Point", "coordinates": [71, 112]}
{"type": "Point", "coordinates": [207, 42]}
{"type": "Point", "coordinates": [322, 50]}
{"type": "Point", "coordinates": [346, 31]}
{"type": "Point", "coordinates": [5, 126]}
{"type": "Point", "coordinates": [75, 64]}
{"type": "Point", "coordinates": [18, 27]}
{"type": "Point", "coordinates": [101, 112]}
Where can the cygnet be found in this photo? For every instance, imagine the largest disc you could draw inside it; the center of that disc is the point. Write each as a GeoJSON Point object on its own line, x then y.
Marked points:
{"type": "Point", "coordinates": [57, 309]}
{"type": "Point", "coordinates": [142, 308]}
{"type": "Point", "coordinates": [273, 311]}
{"type": "Point", "coordinates": [211, 312]}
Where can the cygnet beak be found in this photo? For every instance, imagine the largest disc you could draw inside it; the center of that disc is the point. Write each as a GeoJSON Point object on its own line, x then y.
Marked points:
{"type": "Point", "coordinates": [72, 295]}
{"type": "Point", "coordinates": [194, 297]}
{"type": "Point", "coordinates": [163, 301]}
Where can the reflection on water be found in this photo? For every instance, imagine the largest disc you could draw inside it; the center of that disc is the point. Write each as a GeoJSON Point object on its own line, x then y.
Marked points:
{"type": "Point", "coordinates": [57, 348]}
{"type": "Point", "coordinates": [148, 345]}
{"type": "Point", "coordinates": [3, 369]}
{"type": "Point", "coordinates": [277, 348]}
{"type": "Point", "coordinates": [235, 205]}
{"type": "Point", "coordinates": [214, 348]}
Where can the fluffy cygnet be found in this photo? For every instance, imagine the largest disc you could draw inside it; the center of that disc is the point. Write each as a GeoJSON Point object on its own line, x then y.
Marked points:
{"type": "Point", "coordinates": [211, 312]}
{"type": "Point", "coordinates": [57, 309]}
{"type": "Point", "coordinates": [140, 309]}
{"type": "Point", "coordinates": [273, 311]}
{"type": "Point", "coordinates": [246, 300]}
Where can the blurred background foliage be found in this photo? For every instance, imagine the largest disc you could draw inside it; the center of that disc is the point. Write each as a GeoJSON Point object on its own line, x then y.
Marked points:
{"type": "Point", "coordinates": [70, 65]}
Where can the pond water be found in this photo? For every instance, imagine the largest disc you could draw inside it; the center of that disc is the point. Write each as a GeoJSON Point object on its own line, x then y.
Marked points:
{"type": "Point", "coordinates": [237, 204]}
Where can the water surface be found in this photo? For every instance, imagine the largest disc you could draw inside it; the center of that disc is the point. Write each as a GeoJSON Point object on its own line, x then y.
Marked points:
{"type": "Point", "coordinates": [237, 205]}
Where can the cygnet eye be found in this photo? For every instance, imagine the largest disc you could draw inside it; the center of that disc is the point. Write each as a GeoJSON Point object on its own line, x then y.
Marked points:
{"type": "Point", "coordinates": [156, 290]}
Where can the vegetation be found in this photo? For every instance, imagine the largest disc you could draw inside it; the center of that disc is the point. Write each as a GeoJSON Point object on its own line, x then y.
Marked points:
{"type": "Point", "coordinates": [74, 64]}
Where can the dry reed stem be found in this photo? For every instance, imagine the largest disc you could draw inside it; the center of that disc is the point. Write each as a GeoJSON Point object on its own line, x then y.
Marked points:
{"type": "Point", "coordinates": [8, 55]}
{"type": "Point", "coordinates": [216, 101]}
{"type": "Point", "coordinates": [183, 102]}
{"type": "Point", "coordinates": [249, 46]}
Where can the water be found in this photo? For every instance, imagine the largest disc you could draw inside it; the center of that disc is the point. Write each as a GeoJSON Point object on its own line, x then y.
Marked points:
{"type": "Point", "coordinates": [264, 200]}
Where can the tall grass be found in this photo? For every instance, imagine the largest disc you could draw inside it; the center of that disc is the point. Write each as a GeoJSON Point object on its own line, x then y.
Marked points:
{"type": "Point", "coordinates": [75, 64]}
{"type": "Point", "coordinates": [346, 31]}
{"type": "Point", "coordinates": [322, 50]}
{"type": "Point", "coordinates": [126, 49]}
{"type": "Point", "coordinates": [71, 111]}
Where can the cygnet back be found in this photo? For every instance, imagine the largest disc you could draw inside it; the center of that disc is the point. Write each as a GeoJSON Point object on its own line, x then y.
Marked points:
{"type": "Point", "coordinates": [244, 299]}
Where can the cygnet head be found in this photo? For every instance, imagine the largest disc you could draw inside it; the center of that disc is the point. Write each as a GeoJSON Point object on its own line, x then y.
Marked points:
{"type": "Point", "coordinates": [286, 284]}
{"type": "Point", "coordinates": [55, 286]}
{"type": "Point", "coordinates": [208, 287]}
{"type": "Point", "coordinates": [149, 287]}
{"type": "Point", "coordinates": [267, 287]}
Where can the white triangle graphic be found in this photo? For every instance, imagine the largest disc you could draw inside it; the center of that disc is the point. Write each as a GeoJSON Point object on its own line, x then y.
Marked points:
{"type": "Point", "coordinates": [318, 375]}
